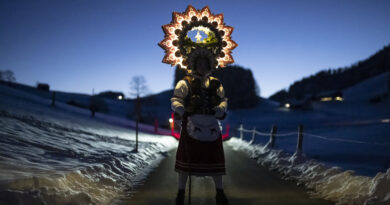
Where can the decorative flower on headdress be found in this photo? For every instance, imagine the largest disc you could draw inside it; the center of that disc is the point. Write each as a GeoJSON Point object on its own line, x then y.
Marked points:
{"type": "Point", "coordinates": [180, 49]}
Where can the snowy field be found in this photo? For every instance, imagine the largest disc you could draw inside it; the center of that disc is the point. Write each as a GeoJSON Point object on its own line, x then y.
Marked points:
{"type": "Point", "coordinates": [352, 134]}
{"type": "Point", "coordinates": [346, 145]}
{"type": "Point", "coordinates": [60, 155]}
{"type": "Point", "coordinates": [323, 181]}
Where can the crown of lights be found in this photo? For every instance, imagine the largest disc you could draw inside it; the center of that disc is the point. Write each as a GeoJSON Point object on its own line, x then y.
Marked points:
{"type": "Point", "coordinates": [180, 50]}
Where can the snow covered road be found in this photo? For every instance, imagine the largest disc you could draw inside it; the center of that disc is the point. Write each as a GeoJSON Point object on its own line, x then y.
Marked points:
{"type": "Point", "coordinates": [245, 183]}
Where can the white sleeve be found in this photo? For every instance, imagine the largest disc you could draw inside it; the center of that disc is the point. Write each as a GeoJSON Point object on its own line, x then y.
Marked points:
{"type": "Point", "coordinates": [221, 94]}
{"type": "Point", "coordinates": [179, 94]}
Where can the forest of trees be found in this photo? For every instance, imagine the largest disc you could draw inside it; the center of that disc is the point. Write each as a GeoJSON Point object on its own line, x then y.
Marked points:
{"type": "Point", "coordinates": [240, 87]}
{"type": "Point", "coordinates": [337, 79]}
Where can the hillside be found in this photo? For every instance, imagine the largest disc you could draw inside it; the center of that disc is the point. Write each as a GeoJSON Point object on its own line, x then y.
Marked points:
{"type": "Point", "coordinates": [60, 155]}
{"type": "Point", "coordinates": [156, 106]}
{"type": "Point", "coordinates": [337, 79]}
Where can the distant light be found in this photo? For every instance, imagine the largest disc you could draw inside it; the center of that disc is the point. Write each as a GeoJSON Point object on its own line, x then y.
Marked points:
{"type": "Point", "coordinates": [326, 99]}
{"type": "Point", "coordinates": [385, 120]}
{"type": "Point", "coordinates": [287, 105]}
{"type": "Point", "coordinates": [120, 97]}
{"type": "Point", "coordinates": [338, 98]}
{"type": "Point", "coordinates": [170, 120]}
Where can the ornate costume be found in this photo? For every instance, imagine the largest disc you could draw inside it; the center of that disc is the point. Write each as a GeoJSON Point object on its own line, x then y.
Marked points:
{"type": "Point", "coordinates": [199, 96]}
{"type": "Point", "coordinates": [199, 99]}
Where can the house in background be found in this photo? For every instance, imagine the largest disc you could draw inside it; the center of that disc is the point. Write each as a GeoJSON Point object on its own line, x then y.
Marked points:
{"type": "Point", "coordinates": [43, 86]}
{"type": "Point", "coordinates": [330, 95]}
{"type": "Point", "coordinates": [112, 95]}
{"type": "Point", "coordinates": [303, 103]}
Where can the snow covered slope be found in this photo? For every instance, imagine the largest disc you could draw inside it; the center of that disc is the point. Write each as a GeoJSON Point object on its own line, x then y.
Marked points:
{"type": "Point", "coordinates": [323, 181]}
{"type": "Point", "coordinates": [367, 89]}
{"type": "Point", "coordinates": [60, 155]}
{"type": "Point", "coordinates": [352, 134]}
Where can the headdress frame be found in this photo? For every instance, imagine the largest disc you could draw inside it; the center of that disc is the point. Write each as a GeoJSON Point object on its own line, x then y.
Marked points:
{"type": "Point", "coordinates": [180, 50]}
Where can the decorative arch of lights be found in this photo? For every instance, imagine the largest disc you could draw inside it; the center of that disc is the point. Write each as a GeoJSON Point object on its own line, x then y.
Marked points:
{"type": "Point", "coordinates": [178, 45]}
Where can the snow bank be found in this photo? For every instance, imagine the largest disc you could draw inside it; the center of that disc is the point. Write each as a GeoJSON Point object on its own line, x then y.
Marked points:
{"type": "Point", "coordinates": [57, 161]}
{"type": "Point", "coordinates": [332, 183]}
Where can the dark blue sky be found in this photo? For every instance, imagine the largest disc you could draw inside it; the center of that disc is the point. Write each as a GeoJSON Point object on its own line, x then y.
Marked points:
{"type": "Point", "coordinates": [82, 45]}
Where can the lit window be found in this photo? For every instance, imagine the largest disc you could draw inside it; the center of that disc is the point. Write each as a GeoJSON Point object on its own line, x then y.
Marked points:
{"type": "Point", "coordinates": [385, 120]}
{"type": "Point", "coordinates": [326, 99]}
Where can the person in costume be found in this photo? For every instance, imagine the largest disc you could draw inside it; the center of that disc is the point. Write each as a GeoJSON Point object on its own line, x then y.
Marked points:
{"type": "Point", "coordinates": [199, 99]}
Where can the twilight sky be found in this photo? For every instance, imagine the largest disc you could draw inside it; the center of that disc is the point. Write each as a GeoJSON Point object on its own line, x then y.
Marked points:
{"type": "Point", "coordinates": [82, 45]}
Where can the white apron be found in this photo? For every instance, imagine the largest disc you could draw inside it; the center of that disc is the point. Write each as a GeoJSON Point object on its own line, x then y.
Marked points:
{"type": "Point", "coordinates": [203, 127]}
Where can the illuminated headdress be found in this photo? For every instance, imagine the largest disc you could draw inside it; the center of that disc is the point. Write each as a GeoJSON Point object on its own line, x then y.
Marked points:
{"type": "Point", "coordinates": [180, 50]}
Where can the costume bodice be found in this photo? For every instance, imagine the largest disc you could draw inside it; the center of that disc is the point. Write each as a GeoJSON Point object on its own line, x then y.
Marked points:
{"type": "Point", "coordinates": [202, 96]}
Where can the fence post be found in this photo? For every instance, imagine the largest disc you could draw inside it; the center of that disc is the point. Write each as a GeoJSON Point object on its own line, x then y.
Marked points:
{"type": "Point", "coordinates": [253, 135]}
{"type": "Point", "coordinates": [53, 98]}
{"type": "Point", "coordinates": [300, 139]}
{"type": "Point", "coordinates": [272, 136]}
{"type": "Point", "coordinates": [241, 132]}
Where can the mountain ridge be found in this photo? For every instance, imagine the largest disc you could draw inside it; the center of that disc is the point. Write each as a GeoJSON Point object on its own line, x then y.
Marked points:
{"type": "Point", "coordinates": [337, 79]}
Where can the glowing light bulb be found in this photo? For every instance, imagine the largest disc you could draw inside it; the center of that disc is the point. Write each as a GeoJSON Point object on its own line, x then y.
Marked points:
{"type": "Point", "coordinates": [180, 22]}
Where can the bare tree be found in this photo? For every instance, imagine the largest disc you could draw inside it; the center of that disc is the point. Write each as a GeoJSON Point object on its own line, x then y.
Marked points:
{"type": "Point", "coordinates": [7, 75]}
{"type": "Point", "coordinates": [137, 88]}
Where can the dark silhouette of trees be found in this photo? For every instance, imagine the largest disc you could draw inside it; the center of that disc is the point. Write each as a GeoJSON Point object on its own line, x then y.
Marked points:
{"type": "Point", "coordinates": [280, 95]}
{"type": "Point", "coordinates": [338, 79]}
{"type": "Point", "coordinates": [43, 86]}
{"type": "Point", "coordinates": [240, 87]}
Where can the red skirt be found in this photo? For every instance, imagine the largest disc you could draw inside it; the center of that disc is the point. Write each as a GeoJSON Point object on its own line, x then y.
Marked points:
{"type": "Point", "coordinates": [199, 158]}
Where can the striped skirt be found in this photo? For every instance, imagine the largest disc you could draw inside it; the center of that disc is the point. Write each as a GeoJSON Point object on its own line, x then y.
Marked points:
{"type": "Point", "coordinates": [199, 158]}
